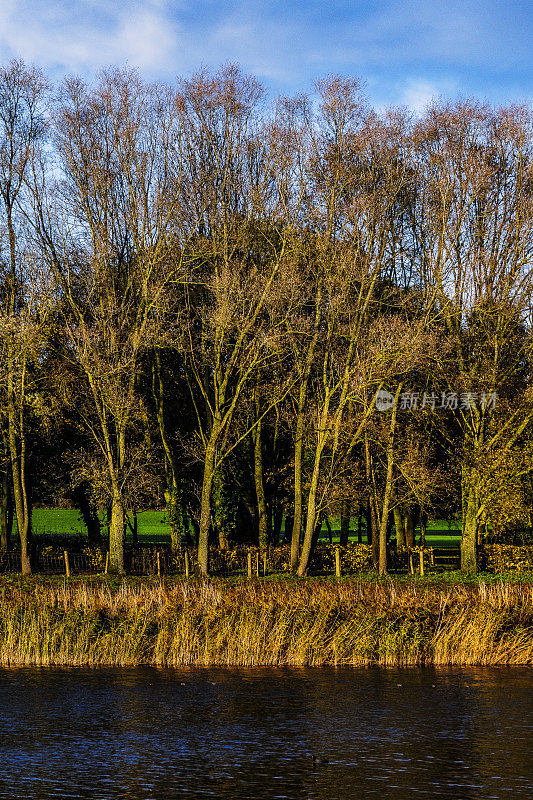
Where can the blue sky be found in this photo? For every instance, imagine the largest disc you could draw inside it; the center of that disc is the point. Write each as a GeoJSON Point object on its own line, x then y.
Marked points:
{"type": "Point", "coordinates": [406, 51]}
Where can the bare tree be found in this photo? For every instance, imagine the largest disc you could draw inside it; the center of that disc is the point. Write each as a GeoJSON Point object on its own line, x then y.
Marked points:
{"type": "Point", "coordinates": [106, 230]}
{"type": "Point", "coordinates": [238, 252]}
{"type": "Point", "coordinates": [22, 92]}
{"type": "Point", "coordinates": [473, 225]}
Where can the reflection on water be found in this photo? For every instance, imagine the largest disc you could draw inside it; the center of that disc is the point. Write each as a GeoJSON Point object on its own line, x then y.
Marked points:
{"type": "Point", "coordinates": [250, 734]}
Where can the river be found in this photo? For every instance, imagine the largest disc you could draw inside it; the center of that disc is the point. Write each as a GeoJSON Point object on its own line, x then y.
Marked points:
{"type": "Point", "coordinates": [243, 734]}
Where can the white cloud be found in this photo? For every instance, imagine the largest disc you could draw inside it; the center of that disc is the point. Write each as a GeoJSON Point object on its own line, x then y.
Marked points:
{"type": "Point", "coordinates": [407, 51]}
{"type": "Point", "coordinates": [418, 94]}
{"type": "Point", "coordinates": [65, 37]}
{"type": "Point", "coordinates": [146, 39]}
{"type": "Point", "coordinates": [268, 47]}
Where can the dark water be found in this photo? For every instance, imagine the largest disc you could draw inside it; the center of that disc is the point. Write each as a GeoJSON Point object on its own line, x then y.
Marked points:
{"type": "Point", "coordinates": [250, 734]}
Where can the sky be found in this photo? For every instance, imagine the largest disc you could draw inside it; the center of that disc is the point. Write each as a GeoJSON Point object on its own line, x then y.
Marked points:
{"type": "Point", "coordinates": [405, 51]}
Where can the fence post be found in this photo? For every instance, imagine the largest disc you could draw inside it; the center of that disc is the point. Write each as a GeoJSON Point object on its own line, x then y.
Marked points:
{"type": "Point", "coordinates": [337, 562]}
{"type": "Point", "coordinates": [106, 562]}
{"type": "Point", "coordinates": [186, 563]}
{"type": "Point", "coordinates": [67, 564]}
{"type": "Point", "coordinates": [411, 565]}
{"type": "Point", "coordinates": [265, 562]}
{"type": "Point", "coordinates": [421, 554]}
{"type": "Point", "coordinates": [158, 564]}
{"type": "Point", "coordinates": [257, 564]}
{"type": "Point", "coordinates": [249, 560]}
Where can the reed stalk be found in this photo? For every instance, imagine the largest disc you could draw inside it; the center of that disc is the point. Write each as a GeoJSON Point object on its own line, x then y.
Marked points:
{"type": "Point", "coordinates": [254, 624]}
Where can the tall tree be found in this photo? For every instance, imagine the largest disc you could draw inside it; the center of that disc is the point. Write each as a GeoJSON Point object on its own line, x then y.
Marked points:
{"type": "Point", "coordinates": [22, 91]}
{"type": "Point", "coordinates": [472, 225]}
{"type": "Point", "coordinates": [237, 256]}
{"type": "Point", "coordinates": [106, 231]}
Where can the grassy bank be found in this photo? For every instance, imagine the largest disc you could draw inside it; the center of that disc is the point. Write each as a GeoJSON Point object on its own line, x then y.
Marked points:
{"type": "Point", "coordinates": [315, 623]}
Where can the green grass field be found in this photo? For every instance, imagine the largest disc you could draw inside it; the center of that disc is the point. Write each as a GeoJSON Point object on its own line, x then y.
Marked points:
{"type": "Point", "coordinates": [152, 526]}
{"type": "Point", "coordinates": [440, 533]}
{"type": "Point", "coordinates": [65, 520]}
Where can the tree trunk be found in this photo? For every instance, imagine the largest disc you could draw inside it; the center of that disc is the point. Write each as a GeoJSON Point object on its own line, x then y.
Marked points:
{"type": "Point", "coordinates": [116, 534]}
{"type": "Point", "coordinates": [368, 521]}
{"type": "Point", "coordinates": [89, 515]}
{"type": "Point", "coordinates": [383, 533]}
{"type": "Point", "coordinates": [4, 515]}
{"type": "Point", "coordinates": [307, 547]}
{"type": "Point", "coordinates": [409, 528]}
{"type": "Point", "coordinates": [205, 508]}
{"type": "Point", "coordinates": [135, 528]}
{"type": "Point", "coordinates": [223, 511]}
{"type": "Point", "coordinates": [399, 528]}
{"type": "Point", "coordinates": [300, 433]}
{"type": "Point", "coordinates": [374, 526]}
{"type": "Point", "coordinates": [469, 537]}
{"type": "Point", "coordinates": [423, 527]}
{"type": "Point", "coordinates": [318, 531]}
{"type": "Point", "coordinates": [298, 491]}
{"type": "Point", "coordinates": [310, 523]}
{"type": "Point", "coordinates": [262, 521]}
{"type": "Point", "coordinates": [345, 523]}
{"type": "Point", "coordinates": [328, 526]}
{"type": "Point", "coordinates": [16, 443]}
{"type": "Point", "coordinates": [22, 510]}
{"type": "Point", "coordinates": [388, 488]}
{"type": "Point", "coordinates": [175, 512]}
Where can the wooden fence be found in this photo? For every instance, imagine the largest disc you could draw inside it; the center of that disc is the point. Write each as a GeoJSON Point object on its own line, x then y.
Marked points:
{"type": "Point", "coordinates": [247, 561]}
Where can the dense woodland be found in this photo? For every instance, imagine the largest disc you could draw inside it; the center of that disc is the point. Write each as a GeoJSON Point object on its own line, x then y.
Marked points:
{"type": "Point", "coordinates": [205, 293]}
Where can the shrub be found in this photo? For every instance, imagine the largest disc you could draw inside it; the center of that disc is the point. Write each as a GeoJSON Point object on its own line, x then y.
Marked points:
{"type": "Point", "coordinates": [508, 557]}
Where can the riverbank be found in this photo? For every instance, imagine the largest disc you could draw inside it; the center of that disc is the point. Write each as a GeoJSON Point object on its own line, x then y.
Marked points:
{"type": "Point", "coordinates": [264, 624]}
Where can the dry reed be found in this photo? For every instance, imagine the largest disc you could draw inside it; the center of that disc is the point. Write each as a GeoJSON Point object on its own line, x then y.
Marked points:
{"type": "Point", "coordinates": [256, 623]}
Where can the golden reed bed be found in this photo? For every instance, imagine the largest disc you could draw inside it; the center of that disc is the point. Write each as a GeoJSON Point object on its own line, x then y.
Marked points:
{"type": "Point", "coordinates": [252, 624]}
